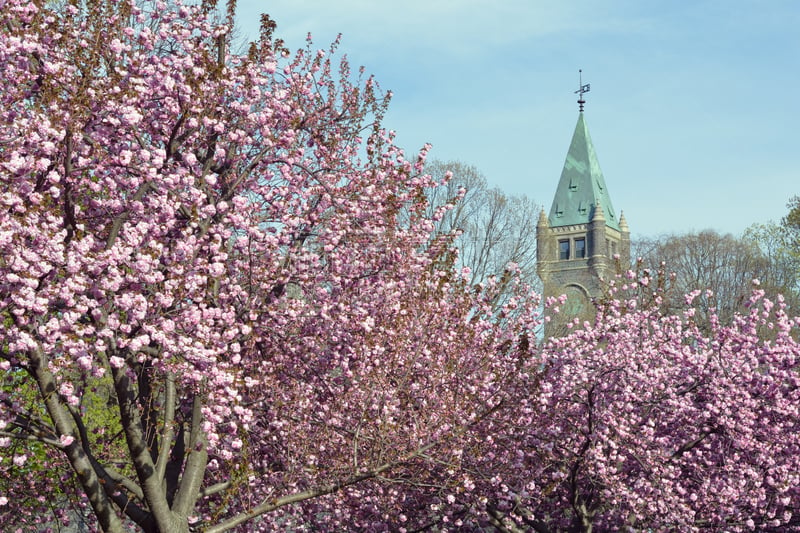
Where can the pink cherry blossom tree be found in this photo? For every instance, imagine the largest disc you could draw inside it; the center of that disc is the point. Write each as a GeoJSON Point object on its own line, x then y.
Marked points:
{"type": "Point", "coordinates": [649, 421]}
{"type": "Point", "coordinates": [221, 300]}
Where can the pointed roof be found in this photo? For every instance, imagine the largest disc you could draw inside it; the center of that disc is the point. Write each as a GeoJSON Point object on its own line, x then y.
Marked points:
{"type": "Point", "coordinates": [582, 186]}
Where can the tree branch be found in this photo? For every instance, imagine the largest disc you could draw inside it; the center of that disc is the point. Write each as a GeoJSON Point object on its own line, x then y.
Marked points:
{"type": "Point", "coordinates": [214, 489]}
{"type": "Point", "coordinates": [189, 489]}
{"type": "Point", "coordinates": [691, 444]}
{"type": "Point", "coordinates": [120, 219]}
{"type": "Point", "coordinates": [314, 493]}
{"type": "Point", "coordinates": [169, 426]}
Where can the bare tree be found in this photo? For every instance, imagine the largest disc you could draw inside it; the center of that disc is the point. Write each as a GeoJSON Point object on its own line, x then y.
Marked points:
{"type": "Point", "coordinates": [492, 228]}
{"type": "Point", "coordinates": [723, 264]}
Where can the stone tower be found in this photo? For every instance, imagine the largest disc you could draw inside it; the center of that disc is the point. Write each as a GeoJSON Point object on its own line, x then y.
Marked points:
{"type": "Point", "coordinates": [580, 244]}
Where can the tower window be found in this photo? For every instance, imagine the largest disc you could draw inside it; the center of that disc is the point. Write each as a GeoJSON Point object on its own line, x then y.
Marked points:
{"type": "Point", "coordinates": [580, 248]}
{"type": "Point", "coordinates": [563, 249]}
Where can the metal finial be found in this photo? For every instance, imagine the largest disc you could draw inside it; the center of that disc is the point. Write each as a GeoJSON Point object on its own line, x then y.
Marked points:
{"type": "Point", "coordinates": [583, 89]}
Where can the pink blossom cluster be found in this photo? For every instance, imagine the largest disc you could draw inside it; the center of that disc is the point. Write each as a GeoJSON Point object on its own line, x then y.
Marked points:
{"type": "Point", "coordinates": [651, 421]}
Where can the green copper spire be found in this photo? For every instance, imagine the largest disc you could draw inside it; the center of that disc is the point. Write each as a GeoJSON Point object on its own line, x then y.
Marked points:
{"type": "Point", "coordinates": [582, 186]}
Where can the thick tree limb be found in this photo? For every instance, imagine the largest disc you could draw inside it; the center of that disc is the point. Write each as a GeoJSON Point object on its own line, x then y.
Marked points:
{"type": "Point", "coordinates": [169, 426]}
{"type": "Point", "coordinates": [87, 477]}
{"type": "Point", "coordinates": [189, 489]}
{"type": "Point", "coordinates": [154, 494]}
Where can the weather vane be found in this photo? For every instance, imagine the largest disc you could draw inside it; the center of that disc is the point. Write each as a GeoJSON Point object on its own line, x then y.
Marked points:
{"type": "Point", "coordinates": [583, 89]}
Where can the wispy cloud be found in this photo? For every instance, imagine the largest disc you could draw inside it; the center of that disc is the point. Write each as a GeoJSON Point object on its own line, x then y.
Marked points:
{"type": "Point", "coordinates": [450, 28]}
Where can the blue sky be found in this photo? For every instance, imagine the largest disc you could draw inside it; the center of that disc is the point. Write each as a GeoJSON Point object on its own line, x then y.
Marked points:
{"type": "Point", "coordinates": [692, 107]}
